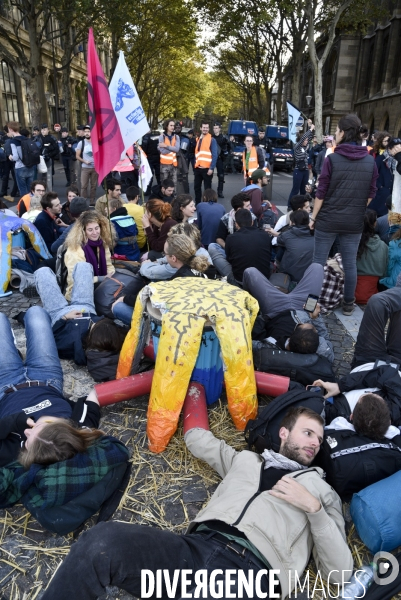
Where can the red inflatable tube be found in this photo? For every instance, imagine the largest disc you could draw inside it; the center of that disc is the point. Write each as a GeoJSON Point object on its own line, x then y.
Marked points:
{"type": "Point", "coordinates": [195, 409]}
{"type": "Point", "coordinates": [124, 389]}
{"type": "Point", "coordinates": [271, 385]}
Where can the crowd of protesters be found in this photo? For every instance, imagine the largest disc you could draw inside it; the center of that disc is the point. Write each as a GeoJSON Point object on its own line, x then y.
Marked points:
{"type": "Point", "coordinates": [339, 243]}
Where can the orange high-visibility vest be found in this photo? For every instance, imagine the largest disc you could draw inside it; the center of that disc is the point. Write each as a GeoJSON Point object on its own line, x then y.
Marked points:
{"type": "Point", "coordinates": [253, 162]}
{"type": "Point", "coordinates": [125, 164]}
{"type": "Point", "coordinates": [26, 200]}
{"type": "Point", "coordinates": [203, 154]}
{"type": "Point", "coordinates": [171, 157]}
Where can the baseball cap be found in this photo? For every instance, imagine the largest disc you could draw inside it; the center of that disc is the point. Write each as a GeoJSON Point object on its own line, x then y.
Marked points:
{"type": "Point", "coordinates": [80, 128]}
{"type": "Point", "coordinates": [258, 174]}
{"type": "Point", "coordinates": [56, 125]}
{"type": "Point", "coordinates": [44, 126]}
{"type": "Point", "coordinates": [87, 126]}
{"type": "Point", "coordinates": [78, 205]}
{"type": "Point", "coordinates": [393, 142]}
{"type": "Point", "coordinates": [64, 130]}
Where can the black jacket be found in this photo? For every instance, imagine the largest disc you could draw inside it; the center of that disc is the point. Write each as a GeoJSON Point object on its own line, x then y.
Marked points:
{"type": "Point", "coordinates": [248, 247]}
{"type": "Point", "coordinates": [67, 151]}
{"type": "Point", "coordinates": [48, 228]}
{"type": "Point", "coordinates": [299, 245]}
{"type": "Point", "coordinates": [49, 147]}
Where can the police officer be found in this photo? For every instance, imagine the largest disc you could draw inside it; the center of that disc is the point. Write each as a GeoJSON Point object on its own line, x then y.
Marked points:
{"type": "Point", "coordinates": [224, 145]}
{"type": "Point", "coordinates": [149, 146]}
{"type": "Point", "coordinates": [264, 142]}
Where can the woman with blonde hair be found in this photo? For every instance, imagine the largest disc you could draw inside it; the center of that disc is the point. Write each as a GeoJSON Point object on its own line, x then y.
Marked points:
{"type": "Point", "coordinates": [90, 240]}
{"type": "Point", "coordinates": [180, 252]}
{"type": "Point", "coordinates": [157, 222]}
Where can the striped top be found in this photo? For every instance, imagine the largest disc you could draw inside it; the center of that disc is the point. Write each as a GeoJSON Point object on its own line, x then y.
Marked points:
{"type": "Point", "coordinates": [301, 154]}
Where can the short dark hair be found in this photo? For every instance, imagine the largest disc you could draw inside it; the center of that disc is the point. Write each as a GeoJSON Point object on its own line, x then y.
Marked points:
{"type": "Point", "coordinates": [132, 192]}
{"type": "Point", "coordinates": [299, 218]}
{"type": "Point", "coordinates": [238, 200]}
{"type": "Point", "coordinates": [36, 182]}
{"type": "Point", "coordinates": [352, 127]}
{"type": "Point", "coordinates": [371, 416]}
{"type": "Point", "coordinates": [298, 202]}
{"type": "Point", "coordinates": [166, 183]}
{"type": "Point", "coordinates": [209, 195]}
{"type": "Point", "coordinates": [243, 217]}
{"type": "Point", "coordinates": [304, 340]}
{"type": "Point", "coordinates": [112, 183]}
{"type": "Point", "coordinates": [46, 200]}
{"type": "Point", "coordinates": [166, 122]}
{"type": "Point", "coordinates": [25, 132]}
{"type": "Point", "coordinates": [292, 415]}
{"type": "Point", "coordinates": [204, 122]}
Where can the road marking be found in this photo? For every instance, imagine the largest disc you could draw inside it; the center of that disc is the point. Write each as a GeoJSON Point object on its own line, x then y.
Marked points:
{"type": "Point", "coordinates": [286, 175]}
{"type": "Point", "coordinates": [352, 322]}
{"type": "Point", "coordinates": [282, 208]}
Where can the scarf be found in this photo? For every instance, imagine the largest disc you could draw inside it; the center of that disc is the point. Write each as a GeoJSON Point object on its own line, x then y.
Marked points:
{"type": "Point", "coordinates": [278, 461]}
{"type": "Point", "coordinates": [99, 268]}
{"type": "Point", "coordinates": [390, 162]}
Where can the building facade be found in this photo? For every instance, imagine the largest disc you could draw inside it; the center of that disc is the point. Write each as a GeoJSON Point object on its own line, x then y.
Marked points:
{"type": "Point", "coordinates": [362, 74]}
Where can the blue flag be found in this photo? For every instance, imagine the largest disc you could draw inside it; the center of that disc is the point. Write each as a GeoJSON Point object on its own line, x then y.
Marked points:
{"type": "Point", "coordinates": [293, 115]}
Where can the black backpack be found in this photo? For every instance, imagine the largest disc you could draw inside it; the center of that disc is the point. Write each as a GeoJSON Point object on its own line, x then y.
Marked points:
{"type": "Point", "coordinates": [262, 432]}
{"type": "Point", "coordinates": [30, 153]}
{"type": "Point", "coordinates": [268, 217]}
{"type": "Point", "coordinates": [304, 368]}
{"type": "Point", "coordinates": [61, 269]}
{"type": "Point", "coordinates": [352, 461]}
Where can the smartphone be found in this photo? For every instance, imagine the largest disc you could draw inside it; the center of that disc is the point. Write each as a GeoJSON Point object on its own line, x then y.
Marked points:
{"type": "Point", "coordinates": [316, 388]}
{"type": "Point", "coordinates": [311, 303]}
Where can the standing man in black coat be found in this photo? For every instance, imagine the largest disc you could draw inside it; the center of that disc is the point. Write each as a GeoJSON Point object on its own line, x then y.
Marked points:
{"type": "Point", "coordinates": [50, 153]}
{"type": "Point", "coordinates": [149, 146]}
{"type": "Point", "coordinates": [67, 156]}
{"type": "Point", "coordinates": [224, 146]}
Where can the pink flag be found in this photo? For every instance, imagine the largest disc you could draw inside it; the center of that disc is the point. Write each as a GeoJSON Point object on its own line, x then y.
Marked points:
{"type": "Point", "coordinates": [107, 143]}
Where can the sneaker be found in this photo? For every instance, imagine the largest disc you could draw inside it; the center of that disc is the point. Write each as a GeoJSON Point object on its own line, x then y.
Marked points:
{"type": "Point", "coordinates": [220, 195]}
{"type": "Point", "coordinates": [30, 292]}
{"type": "Point", "coordinates": [348, 308]}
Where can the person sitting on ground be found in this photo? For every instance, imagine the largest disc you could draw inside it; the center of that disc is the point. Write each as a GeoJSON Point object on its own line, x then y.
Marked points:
{"type": "Point", "coordinates": [183, 208]}
{"type": "Point", "coordinates": [136, 212]}
{"type": "Point", "coordinates": [72, 192]}
{"type": "Point", "coordinates": [283, 224]}
{"type": "Point", "coordinates": [394, 261]}
{"type": "Point", "coordinates": [113, 192]}
{"type": "Point", "coordinates": [35, 208]}
{"type": "Point", "coordinates": [38, 188]}
{"type": "Point", "coordinates": [165, 191]}
{"type": "Point", "coordinates": [259, 179]}
{"type": "Point", "coordinates": [291, 498]}
{"type": "Point", "coordinates": [160, 269]}
{"type": "Point", "coordinates": [298, 244]}
{"type": "Point", "coordinates": [373, 345]}
{"type": "Point", "coordinates": [48, 222]}
{"type": "Point", "coordinates": [33, 410]}
{"type": "Point", "coordinates": [209, 212]}
{"type": "Point", "coordinates": [285, 318]}
{"type": "Point", "coordinates": [371, 260]}
{"type": "Point", "coordinates": [126, 230]}
{"type": "Point", "coordinates": [157, 222]}
{"type": "Point", "coordinates": [181, 256]}
{"type": "Point", "coordinates": [247, 247]}
{"type": "Point", "coordinates": [227, 222]}
{"type": "Point", "coordinates": [89, 240]}
{"type": "Point", "coordinates": [78, 205]}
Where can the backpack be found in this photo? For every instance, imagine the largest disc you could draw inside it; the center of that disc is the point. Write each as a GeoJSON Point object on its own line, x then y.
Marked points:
{"type": "Point", "coordinates": [61, 269]}
{"type": "Point", "coordinates": [268, 217]}
{"type": "Point", "coordinates": [30, 153]}
{"type": "Point", "coordinates": [108, 291]}
{"type": "Point", "coordinates": [303, 368]}
{"type": "Point", "coordinates": [353, 462]}
{"type": "Point", "coordinates": [262, 432]}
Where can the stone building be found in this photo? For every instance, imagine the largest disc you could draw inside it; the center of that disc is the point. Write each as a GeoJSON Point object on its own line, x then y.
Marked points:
{"type": "Point", "coordinates": [14, 104]}
{"type": "Point", "coordinates": [362, 74]}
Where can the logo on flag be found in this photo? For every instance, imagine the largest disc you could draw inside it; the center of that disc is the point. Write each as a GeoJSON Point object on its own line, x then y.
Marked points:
{"type": "Point", "coordinates": [123, 91]}
{"type": "Point", "coordinates": [127, 105]}
{"type": "Point", "coordinates": [293, 115]}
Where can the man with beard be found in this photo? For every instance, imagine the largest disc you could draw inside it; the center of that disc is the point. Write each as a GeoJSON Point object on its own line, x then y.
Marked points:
{"type": "Point", "coordinates": [269, 512]}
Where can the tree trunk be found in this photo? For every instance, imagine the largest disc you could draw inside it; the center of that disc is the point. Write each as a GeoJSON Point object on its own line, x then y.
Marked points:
{"type": "Point", "coordinates": [318, 118]}
{"type": "Point", "coordinates": [297, 71]}
{"type": "Point", "coordinates": [35, 104]}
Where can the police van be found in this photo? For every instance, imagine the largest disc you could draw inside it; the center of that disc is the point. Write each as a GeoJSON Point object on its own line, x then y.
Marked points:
{"type": "Point", "coordinates": [282, 147]}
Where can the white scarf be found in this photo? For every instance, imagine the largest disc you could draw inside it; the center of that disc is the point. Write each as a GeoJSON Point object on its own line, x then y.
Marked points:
{"type": "Point", "coordinates": [278, 461]}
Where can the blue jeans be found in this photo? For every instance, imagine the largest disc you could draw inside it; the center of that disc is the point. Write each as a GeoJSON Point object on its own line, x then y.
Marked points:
{"type": "Point", "coordinates": [24, 177]}
{"type": "Point", "coordinates": [299, 181]}
{"type": "Point", "coordinates": [42, 362]}
{"type": "Point", "coordinates": [53, 300]}
{"type": "Point", "coordinates": [349, 243]}
{"type": "Point", "coordinates": [123, 312]}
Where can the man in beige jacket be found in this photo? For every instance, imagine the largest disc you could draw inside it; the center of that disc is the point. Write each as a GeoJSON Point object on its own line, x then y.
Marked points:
{"type": "Point", "coordinates": [270, 512]}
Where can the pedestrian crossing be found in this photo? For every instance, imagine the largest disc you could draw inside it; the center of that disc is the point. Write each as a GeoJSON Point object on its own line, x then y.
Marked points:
{"type": "Point", "coordinates": [280, 174]}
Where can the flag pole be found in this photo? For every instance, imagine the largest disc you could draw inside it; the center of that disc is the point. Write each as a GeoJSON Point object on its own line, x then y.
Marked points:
{"type": "Point", "coordinates": [138, 151]}
{"type": "Point", "coordinates": [108, 216]}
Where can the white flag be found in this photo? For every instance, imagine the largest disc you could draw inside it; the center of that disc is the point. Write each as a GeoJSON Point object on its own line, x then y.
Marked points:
{"type": "Point", "coordinates": [127, 105]}
{"type": "Point", "coordinates": [145, 172]}
{"type": "Point", "coordinates": [293, 115]}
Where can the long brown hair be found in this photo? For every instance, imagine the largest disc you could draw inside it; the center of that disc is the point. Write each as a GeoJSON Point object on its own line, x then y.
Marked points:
{"type": "Point", "coordinates": [158, 209]}
{"type": "Point", "coordinates": [77, 236]}
{"type": "Point", "coordinates": [58, 441]}
{"type": "Point", "coordinates": [377, 146]}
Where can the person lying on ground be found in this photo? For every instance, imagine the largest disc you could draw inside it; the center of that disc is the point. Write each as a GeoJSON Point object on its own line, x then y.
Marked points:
{"type": "Point", "coordinates": [285, 318]}
{"type": "Point", "coordinates": [301, 513]}
{"type": "Point", "coordinates": [34, 415]}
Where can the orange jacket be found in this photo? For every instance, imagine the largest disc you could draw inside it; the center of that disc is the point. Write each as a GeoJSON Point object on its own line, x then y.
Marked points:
{"type": "Point", "coordinates": [171, 157]}
{"type": "Point", "coordinates": [203, 154]}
